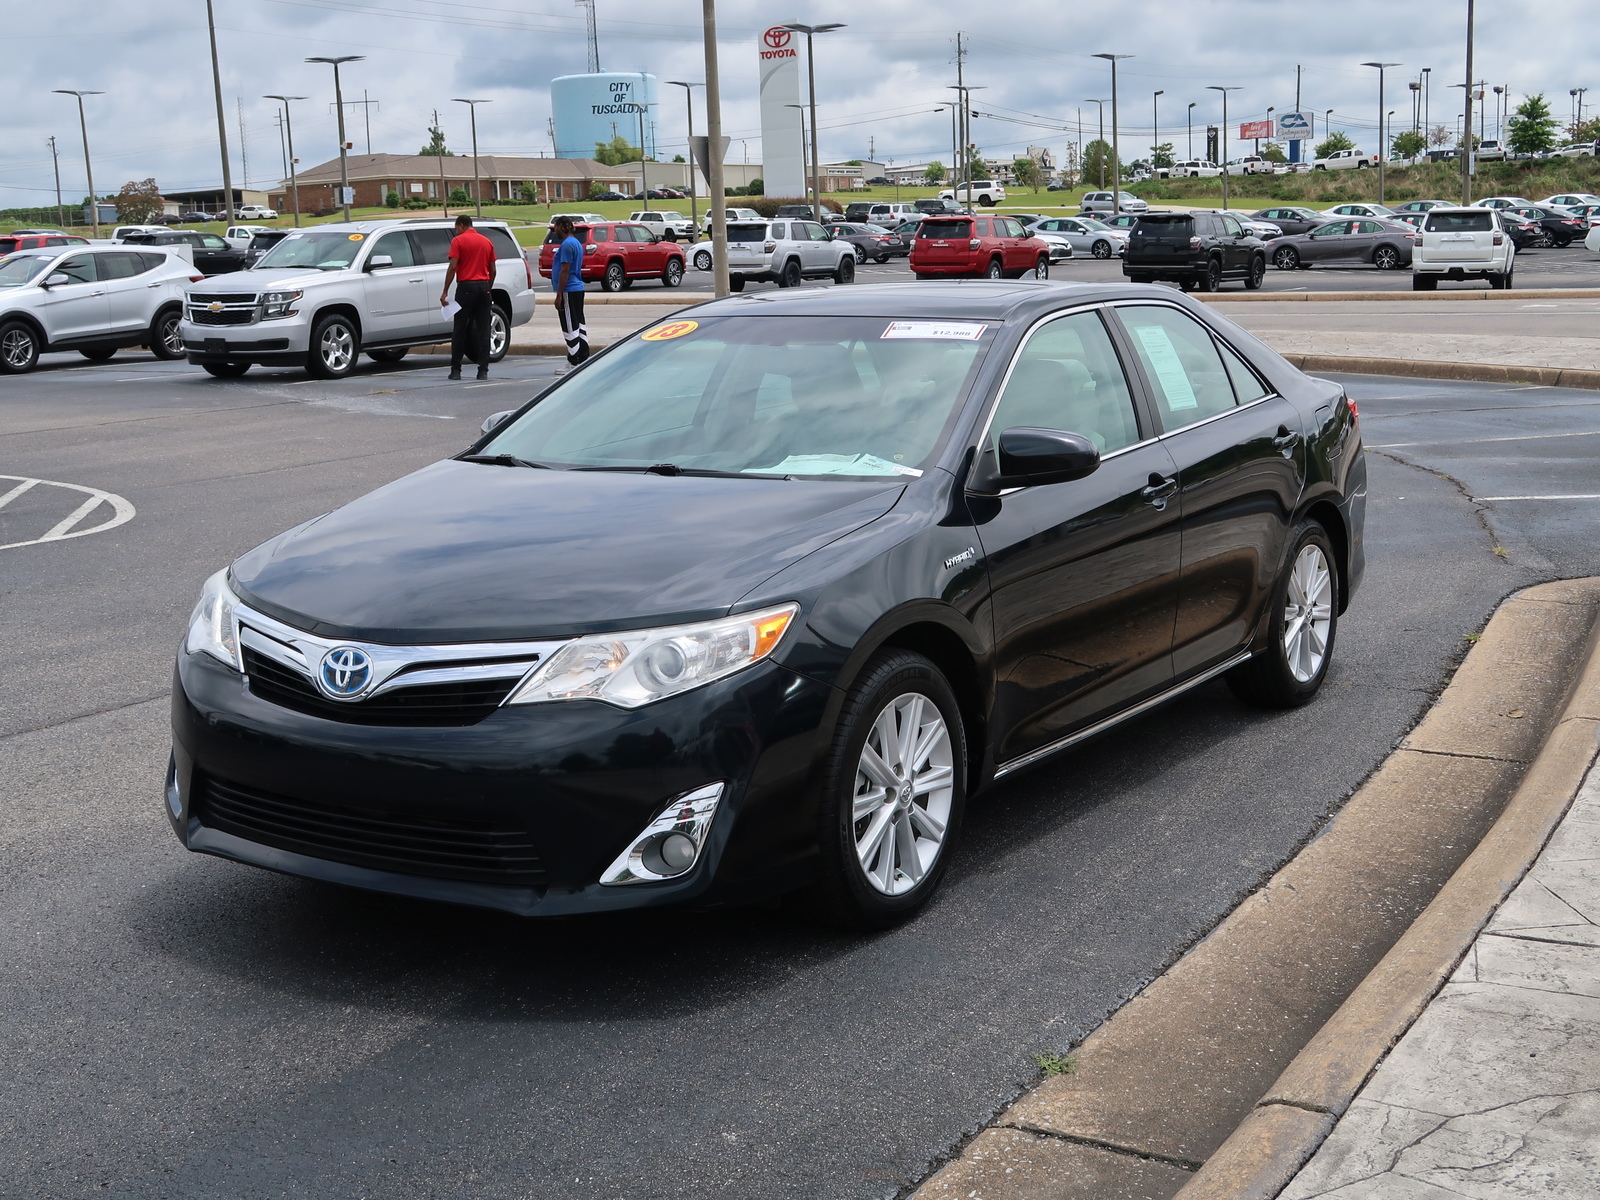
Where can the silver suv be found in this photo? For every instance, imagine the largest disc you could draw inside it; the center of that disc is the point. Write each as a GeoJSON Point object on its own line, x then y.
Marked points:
{"type": "Point", "coordinates": [323, 295]}
{"type": "Point", "coordinates": [785, 252]}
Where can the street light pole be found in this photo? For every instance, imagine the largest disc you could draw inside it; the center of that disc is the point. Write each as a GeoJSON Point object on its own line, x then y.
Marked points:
{"type": "Point", "coordinates": [1383, 144]}
{"type": "Point", "coordinates": [815, 202]}
{"type": "Point", "coordinates": [811, 77]}
{"type": "Point", "coordinates": [477, 187]}
{"type": "Point", "coordinates": [719, 203]}
{"type": "Point", "coordinates": [55, 161]}
{"type": "Point", "coordinates": [1466, 136]}
{"type": "Point", "coordinates": [83, 126]}
{"type": "Point", "coordinates": [688, 104]}
{"type": "Point", "coordinates": [1155, 126]}
{"type": "Point", "coordinates": [1116, 154]}
{"type": "Point", "coordinates": [1192, 103]}
{"type": "Point", "coordinates": [288, 126]}
{"type": "Point", "coordinates": [1102, 138]}
{"type": "Point", "coordinates": [338, 99]}
{"type": "Point", "coordinates": [1224, 90]}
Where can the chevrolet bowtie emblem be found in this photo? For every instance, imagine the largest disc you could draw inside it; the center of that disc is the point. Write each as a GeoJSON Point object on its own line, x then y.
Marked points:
{"type": "Point", "coordinates": [215, 306]}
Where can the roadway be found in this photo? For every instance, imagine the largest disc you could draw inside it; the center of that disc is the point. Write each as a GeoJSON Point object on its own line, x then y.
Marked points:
{"type": "Point", "coordinates": [179, 1026]}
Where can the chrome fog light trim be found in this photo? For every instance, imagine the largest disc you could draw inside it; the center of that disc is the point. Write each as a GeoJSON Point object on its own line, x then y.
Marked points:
{"type": "Point", "coordinates": [671, 843]}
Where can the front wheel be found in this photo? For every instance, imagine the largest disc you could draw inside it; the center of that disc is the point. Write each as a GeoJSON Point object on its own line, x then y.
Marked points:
{"type": "Point", "coordinates": [225, 370]}
{"type": "Point", "coordinates": [334, 346]}
{"type": "Point", "coordinates": [894, 787]}
{"type": "Point", "coordinates": [1285, 258]}
{"type": "Point", "coordinates": [1305, 602]}
{"type": "Point", "coordinates": [672, 276]}
{"type": "Point", "coordinates": [19, 348]}
{"type": "Point", "coordinates": [846, 271]}
{"type": "Point", "coordinates": [1041, 269]}
{"type": "Point", "coordinates": [98, 353]}
{"type": "Point", "coordinates": [1102, 249]}
{"type": "Point", "coordinates": [702, 260]}
{"type": "Point", "coordinates": [1386, 258]}
{"type": "Point", "coordinates": [1258, 272]}
{"type": "Point", "coordinates": [166, 335]}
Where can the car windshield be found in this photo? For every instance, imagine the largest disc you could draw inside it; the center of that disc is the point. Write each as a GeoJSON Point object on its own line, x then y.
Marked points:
{"type": "Point", "coordinates": [325, 251]}
{"type": "Point", "coordinates": [18, 269]}
{"type": "Point", "coordinates": [791, 396]}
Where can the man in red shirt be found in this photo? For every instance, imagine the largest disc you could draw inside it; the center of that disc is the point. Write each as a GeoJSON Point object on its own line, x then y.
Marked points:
{"type": "Point", "coordinates": [472, 271]}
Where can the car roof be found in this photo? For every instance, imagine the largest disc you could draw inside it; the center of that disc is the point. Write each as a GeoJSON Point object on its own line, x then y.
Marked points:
{"type": "Point", "coordinates": [971, 299]}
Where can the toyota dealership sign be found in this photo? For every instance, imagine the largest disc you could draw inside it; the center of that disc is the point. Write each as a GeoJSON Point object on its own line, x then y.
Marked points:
{"type": "Point", "coordinates": [782, 155]}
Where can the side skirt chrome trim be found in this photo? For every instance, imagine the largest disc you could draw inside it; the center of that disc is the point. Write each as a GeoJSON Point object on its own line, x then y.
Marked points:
{"type": "Point", "coordinates": [1072, 739]}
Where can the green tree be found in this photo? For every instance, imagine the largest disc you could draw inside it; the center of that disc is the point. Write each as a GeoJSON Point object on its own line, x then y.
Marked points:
{"type": "Point", "coordinates": [1273, 152]}
{"type": "Point", "coordinates": [1026, 172]}
{"type": "Point", "coordinates": [976, 167]}
{"type": "Point", "coordinates": [617, 151]}
{"type": "Point", "coordinates": [677, 158]}
{"type": "Point", "coordinates": [1584, 131]}
{"type": "Point", "coordinates": [1410, 143]}
{"type": "Point", "coordinates": [459, 196]}
{"type": "Point", "coordinates": [1161, 156]}
{"type": "Point", "coordinates": [1532, 127]}
{"type": "Point", "coordinates": [1098, 164]}
{"type": "Point", "coordinates": [1332, 144]}
{"type": "Point", "coordinates": [436, 147]}
{"type": "Point", "coordinates": [756, 187]}
{"type": "Point", "coordinates": [934, 172]}
{"type": "Point", "coordinates": [138, 203]}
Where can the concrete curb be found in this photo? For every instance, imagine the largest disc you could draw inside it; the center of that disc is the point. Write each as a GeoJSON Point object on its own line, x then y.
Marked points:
{"type": "Point", "coordinates": [1417, 368]}
{"type": "Point", "coordinates": [1298, 1112]}
{"type": "Point", "coordinates": [1223, 1075]}
{"type": "Point", "coordinates": [1420, 297]}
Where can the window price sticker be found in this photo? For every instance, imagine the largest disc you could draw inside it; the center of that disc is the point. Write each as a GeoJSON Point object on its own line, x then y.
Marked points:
{"type": "Point", "coordinates": [944, 331]}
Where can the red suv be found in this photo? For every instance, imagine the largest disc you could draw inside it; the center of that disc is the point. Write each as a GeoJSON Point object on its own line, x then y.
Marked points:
{"type": "Point", "coordinates": [33, 241]}
{"type": "Point", "coordinates": [991, 247]}
{"type": "Point", "coordinates": [618, 252]}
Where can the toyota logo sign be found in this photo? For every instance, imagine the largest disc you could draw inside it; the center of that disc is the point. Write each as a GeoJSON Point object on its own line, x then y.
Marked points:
{"type": "Point", "coordinates": [345, 672]}
{"type": "Point", "coordinates": [777, 37]}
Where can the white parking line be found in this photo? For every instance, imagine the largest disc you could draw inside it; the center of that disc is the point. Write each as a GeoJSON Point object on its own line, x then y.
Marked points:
{"type": "Point", "coordinates": [121, 510]}
{"type": "Point", "coordinates": [1521, 437]}
{"type": "Point", "coordinates": [1577, 496]}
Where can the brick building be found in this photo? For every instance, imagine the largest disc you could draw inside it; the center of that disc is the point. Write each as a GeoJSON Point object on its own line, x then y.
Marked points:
{"type": "Point", "coordinates": [374, 176]}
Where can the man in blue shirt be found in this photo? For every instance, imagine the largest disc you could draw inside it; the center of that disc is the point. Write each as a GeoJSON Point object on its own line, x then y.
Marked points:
{"type": "Point", "coordinates": [566, 276]}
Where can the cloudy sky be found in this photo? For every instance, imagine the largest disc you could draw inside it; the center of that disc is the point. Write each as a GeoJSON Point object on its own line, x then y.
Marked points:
{"type": "Point", "coordinates": [878, 79]}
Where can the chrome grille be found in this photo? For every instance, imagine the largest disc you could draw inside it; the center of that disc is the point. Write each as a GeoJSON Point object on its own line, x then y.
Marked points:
{"type": "Point", "coordinates": [247, 299]}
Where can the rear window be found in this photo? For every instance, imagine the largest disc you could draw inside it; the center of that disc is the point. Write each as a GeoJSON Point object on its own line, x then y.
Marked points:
{"type": "Point", "coordinates": [944, 229]}
{"type": "Point", "coordinates": [1446, 222]}
{"type": "Point", "coordinates": [505, 246]}
{"type": "Point", "coordinates": [1165, 228]}
{"type": "Point", "coordinates": [747, 233]}
{"type": "Point", "coordinates": [552, 238]}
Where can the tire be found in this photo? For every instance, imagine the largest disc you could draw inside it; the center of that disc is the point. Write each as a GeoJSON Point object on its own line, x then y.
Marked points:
{"type": "Point", "coordinates": [98, 353]}
{"type": "Point", "coordinates": [670, 235]}
{"type": "Point", "coordinates": [166, 335]}
{"type": "Point", "coordinates": [846, 271]}
{"type": "Point", "coordinates": [995, 270]}
{"type": "Point", "coordinates": [1101, 249]}
{"type": "Point", "coordinates": [334, 347]}
{"type": "Point", "coordinates": [883, 853]}
{"type": "Point", "coordinates": [615, 278]}
{"type": "Point", "coordinates": [1211, 280]}
{"type": "Point", "coordinates": [702, 260]}
{"type": "Point", "coordinates": [881, 259]}
{"type": "Point", "coordinates": [1386, 258]}
{"type": "Point", "coordinates": [19, 348]}
{"type": "Point", "coordinates": [1286, 258]}
{"type": "Point", "coordinates": [1563, 243]}
{"type": "Point", "coordinates": [1305, 616]}
{"type": "Point", "coordinates": [388, 356]}
{"type": "Point", "coordinates": [736, 283]}
{"type": "Point", "coordinates": [1258, 272]}
{"type": "Point", "coordinates": [225, 370]}
{"type": "Point", "coordinates": [1505, 280]}
{"type": "Point", "coordinates": [1424, 283]}
{"type": "Point", "coordinates": [499, 333]}
{"type": "Point", "coordinates": [672, 275]}
{"type": "Point", "coordinates": [790, 276]}
{"type": "Point", "coordinates": [1141, 279]}
{"type": "Point", "coordinates": [1041, 269]}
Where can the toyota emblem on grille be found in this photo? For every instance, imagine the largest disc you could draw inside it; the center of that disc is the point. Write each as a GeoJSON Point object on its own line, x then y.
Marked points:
{"type": "Point", "coordinates": [345, 672]}
{"type": "Point", "coordinates": [215, 306]}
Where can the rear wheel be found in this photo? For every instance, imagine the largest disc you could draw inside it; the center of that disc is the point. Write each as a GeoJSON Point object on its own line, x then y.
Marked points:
{"type": "Point", "coordinates": [388, 356]}
{"type": "Point", "coordinates": [846, 271]}
{"type": "Point", "coordinates": [1300, 634]}
{"type": "Point", "coordinates": [1211, 279]}
{"type": "Point", "coordinates": [791, 274]}
{"type": "Point", "coordinates": [672, 276]}
{"type": "Point", "coordinates": [1258, 272]}
{"type": "Point", "coordinates": [499, 332]}
{"type": "Point", "coordinates": [1386, 258]}
{"type": "Point", "coordinates": [1424, 283]}
{"type": "Point", "coordinates": [893, 794]}
{"type": "Point", "coordinates": [1286, 258]}
{"type": "Point", "coordinates": [166, 334]}
{"type": "Point", "coordinates": [615, 278]}
{"type": "Point", "coordinates": [225, 370]}
{"type": "Point", "coordinates": [19, 348]}
{"type": "Point", "coordinates": [98, 353]}
{"type": "Point", "coordinates": [736, 283]}
{"type": "Point", "coordinates": [1101, 249]}
{"type": "Point", "coordinates": [995, 270]}
{"type": "Point", "coordinates": [334, 346]}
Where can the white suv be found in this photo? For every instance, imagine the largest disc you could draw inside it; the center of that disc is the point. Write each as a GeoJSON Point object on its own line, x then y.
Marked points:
{"type": "Point", "coordinates": [987, 192]}
{"type": "Point", "coordinates": [1462, 243]}
{"type": "Point", "coordinates": [92, 299]}
{"type": "Point", "coordinates": [1098, 202]}
{"type": "Point", "coordinates": [785, 252]}
{"type": "Point", "coordinates": [256, 212]}
{"type": "Point", "coordinates": [323, 295]}
{"type": "Point", "coordinates": [666, 224]}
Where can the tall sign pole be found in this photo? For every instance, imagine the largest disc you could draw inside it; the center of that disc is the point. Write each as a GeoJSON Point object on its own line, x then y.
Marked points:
{"type": "Point", "coordinates": [719, 204]}
{"type": "Point", "coordinates": [1466, 137]}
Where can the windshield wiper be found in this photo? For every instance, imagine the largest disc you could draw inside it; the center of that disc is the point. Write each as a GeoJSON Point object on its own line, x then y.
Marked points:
{"type": "Point", "coordinates": [670, 469]}
{"type": "Point", "coordinates": [504, 460]}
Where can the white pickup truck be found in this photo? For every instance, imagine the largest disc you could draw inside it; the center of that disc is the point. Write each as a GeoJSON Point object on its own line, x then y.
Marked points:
{"type": "Point", "coordinates": [1345, 160]}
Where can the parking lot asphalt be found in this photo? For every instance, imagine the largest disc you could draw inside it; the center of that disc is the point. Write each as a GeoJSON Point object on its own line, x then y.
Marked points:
{"type": "Point", "coordinates": [178, 1026]}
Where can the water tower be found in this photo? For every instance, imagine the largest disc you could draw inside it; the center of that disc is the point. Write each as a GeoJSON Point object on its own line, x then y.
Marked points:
{"type": "Point", "coordinates": [599, 105]}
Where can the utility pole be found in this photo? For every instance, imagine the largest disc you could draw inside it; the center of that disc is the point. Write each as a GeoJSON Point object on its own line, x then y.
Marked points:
{"type": "Point", "coordinates": [1101, 139]}
{"type": "Point", "coordinates": [1116, 154]}
{"type": "Point", "coordinates": [288, 129]}
{"type": "Point", "coordinates": [366, 112]}
{"type": "Point", "coordinates": [1467, 154]}
{"type": "Point", "coordinates": [1155, 126]}
{"type": "Point", "coordinates": [338, 99]}
{"type": "Point", "coordinates": [283, 151]}
{"type": "Point", "coordinates": [719, 203]}
{"type": "Point", "coordinates": [958, 166]}
{"type": "Point", "coordinates": [1192, 103]}
{"type": "Point", "coordinates": [55, 161]}
{"type": "Point", "coordinates": [1224, 153]}
{"type": "Point", "coordinates": [222, 123]}
{"type": "Point", "coordinates": [244, 151]}
{"type": "Point", "coordinates": [477, 185]}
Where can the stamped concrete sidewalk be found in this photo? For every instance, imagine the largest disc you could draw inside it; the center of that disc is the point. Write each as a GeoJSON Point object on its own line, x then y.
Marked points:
{"type": "Point", "coordinates": [1494, 1093]}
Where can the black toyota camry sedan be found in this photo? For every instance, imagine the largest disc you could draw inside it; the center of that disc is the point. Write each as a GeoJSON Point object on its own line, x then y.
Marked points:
{"type": "Point", "coordinates": [753, 601]}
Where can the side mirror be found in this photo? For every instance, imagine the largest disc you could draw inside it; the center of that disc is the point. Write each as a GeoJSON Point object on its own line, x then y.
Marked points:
{"type": "Point", "coordinates": [1029, 457]}
{"type": "Point", "coordinates": [379, 260]}
{"type": "Point", "coordinates": [495, 420]}
{"type": "Point", "coordinates": [57, 280]}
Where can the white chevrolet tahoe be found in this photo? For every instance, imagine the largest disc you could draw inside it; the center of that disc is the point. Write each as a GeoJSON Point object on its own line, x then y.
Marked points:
{"type": "Point", "coordinates": [667, 224]}
{"type": "Point", "coordinates": [987, 192]}
{"type": "Point", "coordinates": [323, 295]}
{"type": "Point", "coordinates": [1462, 243]}
{"type": "Point", "coordinates": [785, 252]}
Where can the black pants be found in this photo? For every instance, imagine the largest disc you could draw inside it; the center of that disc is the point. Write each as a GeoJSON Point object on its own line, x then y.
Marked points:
{"type": "Point", "coordinates": [472, 324]}
{"type": "Point", "coordinates": [569, 308]}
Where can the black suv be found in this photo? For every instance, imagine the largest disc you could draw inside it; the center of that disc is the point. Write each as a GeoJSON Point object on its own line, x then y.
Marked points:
{"type": "Point", "coordinates": [937, 207]}
{"type": "Point", "coordinates": [212, 255]}
{"type": "Point", "coordinates": [1196, 250]}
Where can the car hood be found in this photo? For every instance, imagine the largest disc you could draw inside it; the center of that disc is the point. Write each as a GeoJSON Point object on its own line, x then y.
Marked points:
{"type": "Point", "coordinates": [473, 552]}
{"type": "Point", "coordinates": [255, 278]}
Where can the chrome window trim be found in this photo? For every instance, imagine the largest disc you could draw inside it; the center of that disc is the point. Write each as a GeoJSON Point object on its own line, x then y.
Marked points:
{"type": "Point", "coordinates": [393, 667]}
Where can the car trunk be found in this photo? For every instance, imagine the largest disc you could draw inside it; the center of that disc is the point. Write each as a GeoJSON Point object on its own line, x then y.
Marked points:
{"type": "Point", "coordinates": [1459, 237]}
{"type": "Point", "coordinates": [747, 243]}
{"type": "Point", "coordinates": [1161, 237]}
{"type": "Point", "coordinates": [941, 240]}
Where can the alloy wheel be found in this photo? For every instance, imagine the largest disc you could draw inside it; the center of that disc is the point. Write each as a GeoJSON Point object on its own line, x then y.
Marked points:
{"type": "Point", "coordinates": [499, 333]}
{"type": "Point", "coordinates": [1286, 259]}
{"type": "Point", "coordinates": [16, 347]}
{"type": "Point", "coordinates": [337, 347]}
{"type": "Point", "coordinates": [903, 791]}
{"type": "Point", "coordinates": [171, 331]}
{"type": "Point", "coordinates": [1102, 249]}
{"type": "Point", "coordinates": [1385, 259]}
{"type": "Point", "coordinates": [1308, 613]}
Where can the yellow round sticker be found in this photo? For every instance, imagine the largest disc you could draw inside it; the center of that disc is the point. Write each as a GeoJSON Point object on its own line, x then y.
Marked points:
{"type": "Point", "coordinates": [672, 329]}
{"type": "Point", "coordinates": [356, 237]}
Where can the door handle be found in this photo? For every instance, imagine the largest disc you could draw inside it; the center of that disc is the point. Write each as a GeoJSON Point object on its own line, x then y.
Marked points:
{"type": "Point", "coordinates": [1159, 489]}
{"type": "Point", "coordinates": [99, 293]}
{"type": "Point", "coordinates": [418, 279]}
{"type": "Point", "coordinates": [1285, 439]}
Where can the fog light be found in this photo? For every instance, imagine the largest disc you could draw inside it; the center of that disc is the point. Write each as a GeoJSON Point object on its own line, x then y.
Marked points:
{"type": "Point", "coordinates": [174, 797]}
{"type": "Point", "coordinates": [670, 844]}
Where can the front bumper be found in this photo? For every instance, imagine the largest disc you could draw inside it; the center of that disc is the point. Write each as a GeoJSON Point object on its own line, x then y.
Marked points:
{"type": "Point", "coordinates": [576, 782]}
{"type": "Point", "coordinates": [284, 340]}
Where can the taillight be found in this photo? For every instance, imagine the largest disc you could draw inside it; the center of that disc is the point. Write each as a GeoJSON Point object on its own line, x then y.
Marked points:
{"type": "Point", "coordinates": [769, 247]}
{"type": "Point", "coordinates": [1355, 413]}
{"type": "Point", "coordinates": [1499, 239]}
{"type": "Point", "coordinates": [528, 267]}
{"type": "Point", "coordinates": [590, 248]}
{"type": "Point", "coordinates": [975, 244]}
{"type": "Point", "coordinates": [1194, 243]}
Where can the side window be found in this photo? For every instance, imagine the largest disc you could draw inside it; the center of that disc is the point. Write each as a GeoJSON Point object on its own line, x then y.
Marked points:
{"type": "Point", "coordinates": [1068, 377]}
{"type": "Point", "coordinates": [1180, 359]}
{"type": "Point", "coordinates": [1371, 227]}
{"type": "Point", "coordinates": [818, 233]}
{"type": "Point", "coordinates": [1247, 385]}
{"type": "Point", "coordinates": [780, 231]}
{"type": "Point", "coordinates": [1331, 229]}
{"type": "Point", "coordinates": [980, 227]}
{"type": "Point", "coordinates": [152, 261]}
{"type": "Point", "coordinates": [505, 246]}
{"type": "Point", "coordinates": [431, 246]}
{"type": "Point", "coordinates": [397, 246]}
{"type": "Point", "coordinates": [124, 264]}
{"type": "Point", "coordinates": [212, 242]}
{"type": "Point", "coordinates": [80, 268]}
{"type": "Point", "coordinates": [1232, 227]}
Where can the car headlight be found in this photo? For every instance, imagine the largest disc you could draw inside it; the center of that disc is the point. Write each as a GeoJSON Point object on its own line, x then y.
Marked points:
{"type": "Point", "coordinates": [646, 665]}
{"type": "Point", "coordinates": [276, 304]}
{"type": "Point", "coordinates": [211, 626]}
